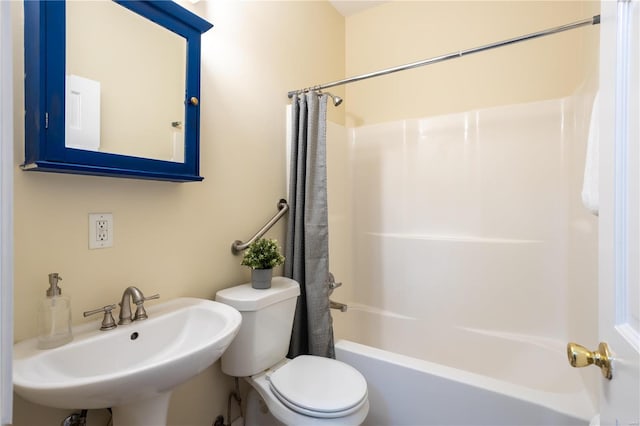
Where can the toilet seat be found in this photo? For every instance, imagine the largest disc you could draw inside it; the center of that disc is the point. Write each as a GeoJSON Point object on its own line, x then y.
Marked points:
{"type": "Point", "coordinates": [319, 387]}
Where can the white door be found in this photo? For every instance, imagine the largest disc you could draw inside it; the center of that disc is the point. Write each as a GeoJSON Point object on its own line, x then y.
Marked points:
{"type": "Point", "coordinates": [619, 223]}
{"type": "Point", "coordinates": [6, 215]}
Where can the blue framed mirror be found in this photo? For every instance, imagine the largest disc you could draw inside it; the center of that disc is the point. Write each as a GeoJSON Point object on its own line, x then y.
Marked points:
{"type": "Point", "coordinates": [112, 88]}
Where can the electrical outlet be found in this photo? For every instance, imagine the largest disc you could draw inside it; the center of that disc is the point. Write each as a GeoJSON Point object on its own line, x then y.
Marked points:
{"type": "Point", "coordinates": [100, 230]}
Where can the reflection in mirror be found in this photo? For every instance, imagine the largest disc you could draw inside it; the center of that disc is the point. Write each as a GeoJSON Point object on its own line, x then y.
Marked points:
{"type": "Point", "coordinates": [125, 83]}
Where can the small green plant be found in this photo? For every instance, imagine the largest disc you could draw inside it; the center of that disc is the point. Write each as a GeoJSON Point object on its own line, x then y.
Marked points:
{"type": "Point", "coordinates": [263, 254]}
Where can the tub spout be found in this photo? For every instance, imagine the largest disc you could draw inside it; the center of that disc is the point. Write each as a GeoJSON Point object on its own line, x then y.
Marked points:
{"type": "Point", "coordinates": [337, 305]}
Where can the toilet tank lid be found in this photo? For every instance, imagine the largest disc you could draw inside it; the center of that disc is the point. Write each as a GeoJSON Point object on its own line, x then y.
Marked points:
{"type": "Point", "coordinates": [246, 298]}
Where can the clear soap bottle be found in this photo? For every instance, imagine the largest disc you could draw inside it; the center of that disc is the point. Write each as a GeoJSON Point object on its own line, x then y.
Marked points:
{"type": "Point", "coordinates": [54, 316]}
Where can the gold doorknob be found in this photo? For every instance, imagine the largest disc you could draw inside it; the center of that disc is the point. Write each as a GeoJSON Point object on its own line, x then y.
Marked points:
{"type": "Point", "coordinates": [194, 101]}
{"type": "Point", "coordinates": [579, 356]}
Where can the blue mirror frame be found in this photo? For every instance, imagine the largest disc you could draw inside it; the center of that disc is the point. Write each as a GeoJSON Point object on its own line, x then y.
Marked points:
{"type": "Point", "coordinates": [44, 46]}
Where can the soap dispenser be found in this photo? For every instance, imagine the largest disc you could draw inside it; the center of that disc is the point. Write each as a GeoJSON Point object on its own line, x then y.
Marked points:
{"type": "Point", "coordinates": [54, 316]}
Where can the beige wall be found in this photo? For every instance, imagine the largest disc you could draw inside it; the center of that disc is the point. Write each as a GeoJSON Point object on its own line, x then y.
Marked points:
{"type": "Point", "coordinates": [400, 32]}
{"type": "Point", "coordinates": [174, 239]}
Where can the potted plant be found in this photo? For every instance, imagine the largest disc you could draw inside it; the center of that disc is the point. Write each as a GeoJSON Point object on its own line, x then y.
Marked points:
{"type": "Point", "coordinates": [262, 256]}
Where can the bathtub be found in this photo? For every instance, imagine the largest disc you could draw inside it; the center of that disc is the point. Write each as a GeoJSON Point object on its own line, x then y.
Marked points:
{"type": "Point", "coordinates": [455, 239]}
{"type": "Point", "coordinates": [405, 390]}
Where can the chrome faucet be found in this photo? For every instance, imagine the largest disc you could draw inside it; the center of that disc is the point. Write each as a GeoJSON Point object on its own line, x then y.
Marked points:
{"type": "Point", "coordinates": [133, 293]}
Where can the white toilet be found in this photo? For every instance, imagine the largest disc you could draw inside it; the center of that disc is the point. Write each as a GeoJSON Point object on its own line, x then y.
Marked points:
{"type": "Point", "coordinates": [306, 390]}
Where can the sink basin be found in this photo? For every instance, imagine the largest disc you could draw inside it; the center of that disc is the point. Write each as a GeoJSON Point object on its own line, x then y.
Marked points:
{"type": "Point", "coordinates": [131, 369]}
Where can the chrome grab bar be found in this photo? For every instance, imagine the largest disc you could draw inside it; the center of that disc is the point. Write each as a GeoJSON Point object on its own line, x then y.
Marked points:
{"type": "Point", "coordinates": [238, 245]}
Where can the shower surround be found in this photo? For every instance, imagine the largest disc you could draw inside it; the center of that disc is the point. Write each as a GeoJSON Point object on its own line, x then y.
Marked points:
{"type": "Point", "coordinates": [462, 242]}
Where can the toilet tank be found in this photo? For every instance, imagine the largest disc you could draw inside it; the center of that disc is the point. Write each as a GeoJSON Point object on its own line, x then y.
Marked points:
{"type": "Point", "coordinates": [265, 332]}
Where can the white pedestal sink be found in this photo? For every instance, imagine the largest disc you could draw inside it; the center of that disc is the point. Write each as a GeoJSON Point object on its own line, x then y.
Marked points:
{"type": "Point", "coordinates": [131, 369]}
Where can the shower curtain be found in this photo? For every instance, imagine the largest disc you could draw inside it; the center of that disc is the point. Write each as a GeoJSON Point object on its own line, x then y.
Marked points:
{"type": "Point", "coordinates": [307, 242]}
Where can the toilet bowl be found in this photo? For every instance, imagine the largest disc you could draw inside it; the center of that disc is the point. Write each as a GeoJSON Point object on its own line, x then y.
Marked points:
{"type": "Point", "coordinates": [306, 390]}
{"type": "Point", "coordinates": [295, 401]}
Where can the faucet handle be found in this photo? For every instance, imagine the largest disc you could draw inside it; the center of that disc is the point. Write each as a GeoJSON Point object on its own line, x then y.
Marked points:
{"type": "Point", "coordinates": [155, 296]}
{"type": "Point", "coordinates": [332, 284]}
{"type": "Point", "coordinates": [108, 322]}
{"type": "Point", "coordinates": [141, 313]}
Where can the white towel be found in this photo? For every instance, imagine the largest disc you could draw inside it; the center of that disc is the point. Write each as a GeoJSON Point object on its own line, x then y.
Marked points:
{"type": "Point", "coordinates": [590, 195]}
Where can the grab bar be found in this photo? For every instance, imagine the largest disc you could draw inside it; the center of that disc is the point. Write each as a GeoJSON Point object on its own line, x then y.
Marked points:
{"type": "Point", "coordinates": [238, 245]}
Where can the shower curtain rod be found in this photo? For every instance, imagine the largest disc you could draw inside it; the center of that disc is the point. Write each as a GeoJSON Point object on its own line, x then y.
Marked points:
{"type": "Point", "coordinates": [595, 20]}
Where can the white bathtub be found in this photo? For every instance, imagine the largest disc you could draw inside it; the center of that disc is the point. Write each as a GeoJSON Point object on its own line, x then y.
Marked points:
{"type": "Point", "coordinates": [408, 391]}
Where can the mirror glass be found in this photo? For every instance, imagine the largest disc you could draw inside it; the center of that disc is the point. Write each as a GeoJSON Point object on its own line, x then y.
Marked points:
{"type": "Point", "coordinates": [125, 83]}
{"type": "Point", "coordinates": [106, 84]}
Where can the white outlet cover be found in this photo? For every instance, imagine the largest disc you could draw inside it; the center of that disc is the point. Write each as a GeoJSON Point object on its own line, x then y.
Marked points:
{"type": "Point", "coordinates": [100, 238]}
